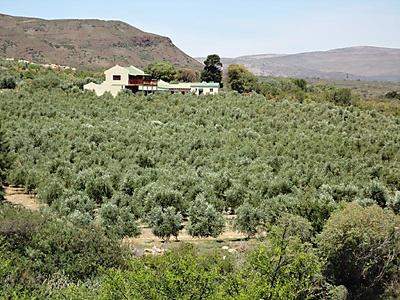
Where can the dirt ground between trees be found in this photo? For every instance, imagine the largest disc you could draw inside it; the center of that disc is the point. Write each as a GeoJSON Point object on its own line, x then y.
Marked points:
{"type": "Point", "coordinates": [147, 239]}
{"type": "Point", "coordinates": [17, 196]}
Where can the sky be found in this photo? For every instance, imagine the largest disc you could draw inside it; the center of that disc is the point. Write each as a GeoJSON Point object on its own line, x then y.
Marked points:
{"type": "Point", "coordinates": [233, 28]}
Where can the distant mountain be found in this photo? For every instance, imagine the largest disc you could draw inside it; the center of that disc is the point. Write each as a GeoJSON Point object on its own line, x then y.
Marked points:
{"type": "Point", "coordinates": [364, 63]}
{"type": "Point", "coordinates": [86, 43]}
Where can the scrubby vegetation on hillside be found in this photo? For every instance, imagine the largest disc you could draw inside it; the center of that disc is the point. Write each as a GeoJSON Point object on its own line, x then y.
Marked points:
{"type": "Point", "coordinates": [314, 172]}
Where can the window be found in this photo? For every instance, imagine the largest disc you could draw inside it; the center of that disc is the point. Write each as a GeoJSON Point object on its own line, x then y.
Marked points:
{"type": "Point", "coordinates": [211, 90]}
{"type": "Point", "coordinates": [116, 77]}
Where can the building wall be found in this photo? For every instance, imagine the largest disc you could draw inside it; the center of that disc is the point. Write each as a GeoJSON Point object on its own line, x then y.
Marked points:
{"type": "Point", "coordinates": [100, 89]}
{"type": "Point", "coordinates": [206, 90]}
{"type": "Point", "coordinates": [117, 70]}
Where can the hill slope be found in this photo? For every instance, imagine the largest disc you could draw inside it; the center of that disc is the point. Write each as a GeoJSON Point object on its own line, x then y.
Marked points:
{"type": "Point", "coordinates": [85, 43]}
{"type": "Point", "coordinates": [365, 63]}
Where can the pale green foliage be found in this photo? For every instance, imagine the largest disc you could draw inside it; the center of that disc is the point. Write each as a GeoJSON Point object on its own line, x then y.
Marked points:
{"type": "Point", "coordinates": [161, 70]}
{"type": "Point", "coordinates": [179, 274]}
{"type": "Point", "coordinates": [204, 219]}
{"type": "Point", "coordinates": [127, 202]}
{"type": "Point", "coordinates": [165, 149]}
{"type": "Point", "coordinates": [394, 203]}
{"type": "Point", "coordinates": [248, 219]}
{"type": "Point", "coordinates": [240, 79]}
{"type": "Point", "coordinates": [377, 192]}
{"type": "Point", "coordinates": [118, 220]}
{"type": "Point", "coordinates": [282, 268]}
{"type": "Point", "coordinates": [362, 249]}
{"type": "Point", "coordinates": [341, 96]}
{"type": "Point", "coordinates": [296, 226]}
{"type": "Point", "coordinates": [165, 222]}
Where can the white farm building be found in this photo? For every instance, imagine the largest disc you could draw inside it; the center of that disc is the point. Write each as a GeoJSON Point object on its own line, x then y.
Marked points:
{"type": "Point", "coordinates": [119, 78]}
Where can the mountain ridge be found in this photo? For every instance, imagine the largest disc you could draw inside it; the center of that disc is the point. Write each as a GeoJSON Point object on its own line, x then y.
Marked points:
{"type": "Point", "coordinates": [356, 63]}
{"type": "Point", "coordinates": [86, 43]}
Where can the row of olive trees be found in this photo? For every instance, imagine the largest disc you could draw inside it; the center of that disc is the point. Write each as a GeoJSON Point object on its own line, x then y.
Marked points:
{"type": "Point", "coordinates": [204, 220]}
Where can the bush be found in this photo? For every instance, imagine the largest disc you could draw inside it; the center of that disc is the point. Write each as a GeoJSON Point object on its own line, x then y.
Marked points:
{"type": "Point", "coordinates": [204, 219]}
{"type": "Point", "coordinates": [72, 201]}
{"type": "Point", "coordinates": [165, 222]}
{"type": "Point", "coordinates": [394, 203]}
{"type": "Point", "coordinates": [179, 274]}
{"type": "Point", "coordinates": [51, 191]}
{"type": "Point", "coordinates": [282, 268]}
{"type": "Point", "coordinates": [77, 252]}
{"type": "Point", "coordinates": [341, 96]}
{"type": "Point", "coordinates": [5, 162]}
{"type": "Point", "coordinates": [128, 203]}
{"type": "Point", "coordinates": [46, 82]}
{"type": "Point", "coordinates": [18, 226]}
{"type": "Point", "coordinates": [8, 82]}
{"type": "Point", "coordinates": [98, 186]}
{"type": "Point", "coordinates": [361, 247]}
{"type": "Point", "coordinates": [378, 193]}
{"type": "Point", "coordinates": [392, 95]}
{"type": "Point", "coordinates": [301, 83]}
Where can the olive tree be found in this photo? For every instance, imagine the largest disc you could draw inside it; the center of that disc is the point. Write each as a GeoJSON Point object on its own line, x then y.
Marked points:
{"type": "Point", "coordinates": [248, 219]}
{"type": "Point", "coordinates": [165, 222]}
{"type": "Point", "coordinates": [204, 219]}
{"type": "Point", "coordinates": [118, 221]}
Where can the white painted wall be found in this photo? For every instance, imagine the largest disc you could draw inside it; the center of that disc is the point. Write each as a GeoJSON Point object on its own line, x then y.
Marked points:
{"type": "Point", "coordinates": [206, 90]}
{"type": "Point", "coordinates": [100, 89]}
{"type": "Point", "coordinates": [117, 70]}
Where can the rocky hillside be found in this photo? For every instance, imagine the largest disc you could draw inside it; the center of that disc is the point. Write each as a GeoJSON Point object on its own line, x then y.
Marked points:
{"type": "Point", "coordinates": [85, 43]}
{"type": "Point", "coordinates": [365, 63]}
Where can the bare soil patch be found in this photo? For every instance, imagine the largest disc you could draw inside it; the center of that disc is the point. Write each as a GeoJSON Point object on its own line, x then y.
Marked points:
{"type": "Point", "coordinates": [148, 240]}
{"type": "Point", "coordinates": [18, 196]}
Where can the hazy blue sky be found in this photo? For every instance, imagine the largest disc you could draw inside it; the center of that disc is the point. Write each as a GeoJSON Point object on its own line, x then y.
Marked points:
{"type": "Point", "coordinates": [239, 27]}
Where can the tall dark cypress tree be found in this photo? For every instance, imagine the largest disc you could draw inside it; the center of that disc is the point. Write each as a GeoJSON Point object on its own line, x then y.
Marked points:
{"type": "Point", "coordinates": [212, 69]}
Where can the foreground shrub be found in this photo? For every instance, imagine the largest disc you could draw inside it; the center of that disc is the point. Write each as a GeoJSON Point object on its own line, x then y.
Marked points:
{"type": "Point", "coordinates": [180, 274]}
{"type": "Point", "coordinates": [282, 268]}
{"type": "Point", "coordinates": [18, 226]}
{"type": "Point", "coordinates": [76, 252]}
{"type": "Point", "coordinates": [361, 247]}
